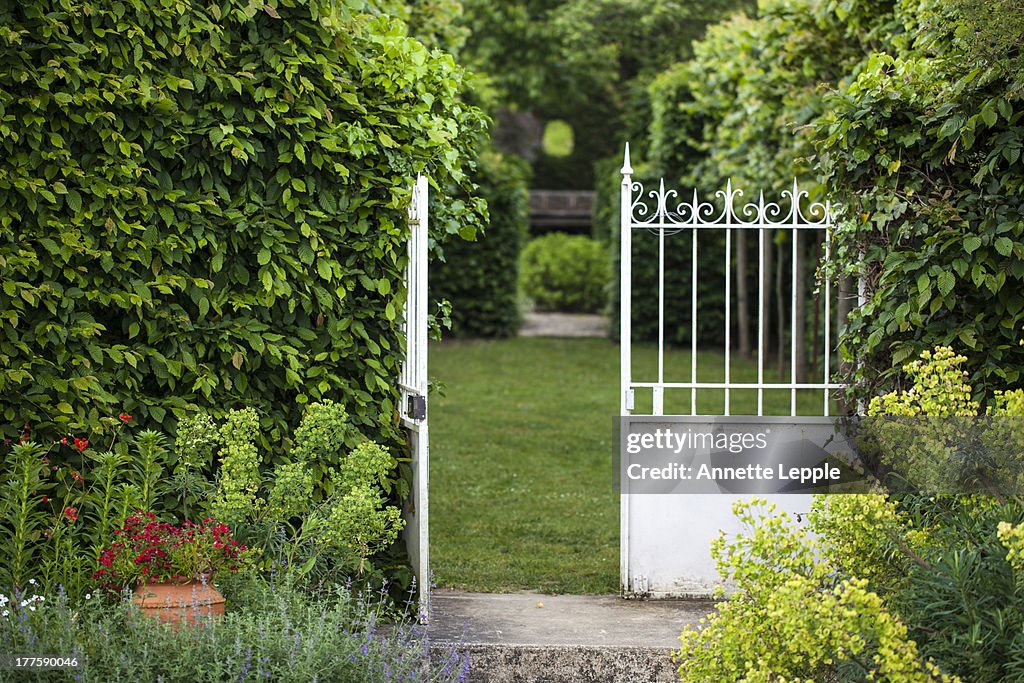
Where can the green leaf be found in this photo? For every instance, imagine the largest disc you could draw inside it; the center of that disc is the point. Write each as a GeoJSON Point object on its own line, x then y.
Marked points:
{"type": "Point", "coordinates": [945, 282]}
{"type": "Point", "coordinates": [988, 115]}
{"type": "Point", "coordinates": [924, 284]}
{"type": "Point", "coordinates": [1004, 246]}
{"type": "Point", "coordinates": [74, 201]}
{"type": "Point", "coordinates": [971, 243]}
{"type": "Point", "coordinates": [323, 268]}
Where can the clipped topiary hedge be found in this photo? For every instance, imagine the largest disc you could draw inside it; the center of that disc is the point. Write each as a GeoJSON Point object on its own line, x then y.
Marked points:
{"type": "Point", "coordinates": [568, 273]}
{"type": "Point", "coordinates": [204, 204]}
{"type": "Point", "coordinates": [479, 277]}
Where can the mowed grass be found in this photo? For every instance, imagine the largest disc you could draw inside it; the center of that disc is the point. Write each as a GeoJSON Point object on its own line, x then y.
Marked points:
{"type": "Point", "coordinates": [521, 489]}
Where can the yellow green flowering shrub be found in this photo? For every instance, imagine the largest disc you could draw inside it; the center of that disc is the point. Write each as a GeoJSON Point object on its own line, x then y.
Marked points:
{"type": "Point", "coordinates": [880, 587]}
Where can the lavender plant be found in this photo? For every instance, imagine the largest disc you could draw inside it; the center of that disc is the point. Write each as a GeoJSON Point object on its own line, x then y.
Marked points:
{"type": "Point", "coordinates": [272, 632]}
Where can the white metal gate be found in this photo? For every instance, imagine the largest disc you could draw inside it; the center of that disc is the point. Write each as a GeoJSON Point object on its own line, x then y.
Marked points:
{"type": "Point", "coordinates": [665, 539]}
{"type": "Point", "coordinates": [413, 386]}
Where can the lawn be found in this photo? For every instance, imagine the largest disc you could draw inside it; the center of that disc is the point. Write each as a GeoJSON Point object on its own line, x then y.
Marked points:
{"type": "Point", "coordinates": [521, 483]}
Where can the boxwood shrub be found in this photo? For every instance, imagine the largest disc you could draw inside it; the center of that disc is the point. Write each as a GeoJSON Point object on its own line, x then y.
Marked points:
{"type": "Point", "coordinates": [569, 273]}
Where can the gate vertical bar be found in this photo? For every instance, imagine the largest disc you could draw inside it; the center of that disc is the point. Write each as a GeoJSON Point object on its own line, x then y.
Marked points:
{"type": "Point", "coordinates": [693, 326]}
{"type": "Point", "coordinates": [760, 307]}
{"type": "Point", "coordinates": [659, 391]}
{"type": "Point", "coordinates": [793, 296]}
{"type": "Point", "coordinates": [728, 310]}
{"type": "Point", "coordinates": [828, 317]}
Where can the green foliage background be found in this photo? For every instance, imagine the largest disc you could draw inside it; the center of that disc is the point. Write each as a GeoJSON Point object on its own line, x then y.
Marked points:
{"type": "Point", "coordinates": [923, 148]}
{"type": "Point", "coordinates": [907, 115]}
{"type": "Point", "coordinates": [205, 205]}
{"type": "Point", "coordinates": [479, 277]}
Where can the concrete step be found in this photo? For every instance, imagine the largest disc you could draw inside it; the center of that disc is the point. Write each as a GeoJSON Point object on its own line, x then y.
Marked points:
{"type": "Point", "coordinates": [537, 638]}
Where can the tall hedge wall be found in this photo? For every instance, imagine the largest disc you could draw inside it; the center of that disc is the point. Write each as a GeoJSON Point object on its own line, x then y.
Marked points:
{"type": "Point", "coordinates": [203, 203]}
{"type": "Point", "coordinates": [480, 277]}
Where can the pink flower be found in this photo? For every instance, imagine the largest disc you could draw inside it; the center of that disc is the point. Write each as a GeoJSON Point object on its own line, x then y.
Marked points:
{"type": "Point", "coordinates": [71, 513]}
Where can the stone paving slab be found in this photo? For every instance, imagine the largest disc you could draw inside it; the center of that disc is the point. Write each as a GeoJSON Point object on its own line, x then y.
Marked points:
{"type": "Point", "coordinates": [539, 638]}
{"type": "Point", "coordinates": [540, 619]}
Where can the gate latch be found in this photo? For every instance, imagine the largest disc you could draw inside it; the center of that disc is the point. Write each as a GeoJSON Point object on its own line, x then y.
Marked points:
{"type": "Point", "coordinates": [417, 407]}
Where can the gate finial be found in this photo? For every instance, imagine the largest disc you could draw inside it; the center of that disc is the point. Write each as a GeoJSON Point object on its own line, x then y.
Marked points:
{"type": "Point", "coordinates": [626, 168]}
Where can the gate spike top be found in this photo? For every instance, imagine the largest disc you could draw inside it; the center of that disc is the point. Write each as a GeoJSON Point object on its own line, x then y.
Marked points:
{"type": "Point", "coordinates": [627, 169]}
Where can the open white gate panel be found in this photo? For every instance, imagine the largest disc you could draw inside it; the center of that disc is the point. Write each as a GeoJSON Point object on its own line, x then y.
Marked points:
{"type": "Point", "coordinates": [413, 387]}
{"type": "Point", "coordinates": [665, 546]}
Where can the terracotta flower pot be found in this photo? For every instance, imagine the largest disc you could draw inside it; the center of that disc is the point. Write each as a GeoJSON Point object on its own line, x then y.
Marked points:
{"type": "Point", "coordinates": [179, 603]}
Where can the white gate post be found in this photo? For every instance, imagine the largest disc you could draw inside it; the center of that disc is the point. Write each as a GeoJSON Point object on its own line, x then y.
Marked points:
{"type": "Point", "coordinates": [625, 284]}
{"type": "Point", "coordinates": [625, 351]}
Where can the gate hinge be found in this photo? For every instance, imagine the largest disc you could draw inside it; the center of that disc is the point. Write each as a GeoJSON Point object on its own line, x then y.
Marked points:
{"type": "Point", "coordinates": [416, 408]}
{"type": "Point", "coordinates": [629, 399]}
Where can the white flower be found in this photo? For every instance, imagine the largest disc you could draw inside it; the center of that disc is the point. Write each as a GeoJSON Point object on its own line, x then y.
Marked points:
{"type": "Point", "coordinates": [32, 581]}
{"type": "Point", "coordinates": [88, 596]}
{"type": "Point", "coordinates": [24, 603]}
{"type": "Point", "coordinates": [32, 608]}
{"type": "Point", "coordinates": [6, 613]}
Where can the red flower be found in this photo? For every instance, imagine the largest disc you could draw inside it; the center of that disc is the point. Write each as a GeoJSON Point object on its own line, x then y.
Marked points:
{"type": "Point", "coordinates": [71, 513]}
{"type": "Point", "coordinates": [45, 499]}
{"type": "Point", "coordinates": [81, 444]}
{"type": "Point", "coordinates": [77, 477]}
{"type": "Point", "coordinates": [64, 441]}
{"type": "Point", "coordinates": [125, 417]}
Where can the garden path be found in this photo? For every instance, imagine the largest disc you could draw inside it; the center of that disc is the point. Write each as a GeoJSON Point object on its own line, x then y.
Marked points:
{"type": "Point", "coordinates": [564, 325]}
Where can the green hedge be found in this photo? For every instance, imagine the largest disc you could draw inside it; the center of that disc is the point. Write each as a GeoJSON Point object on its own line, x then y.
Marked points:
{"type": "Point", "coordinates": [925, 156]}
{"type": "Point", "coordinates": [479, 277]}
{"type": "Point", "coordinates": [204, 204]}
